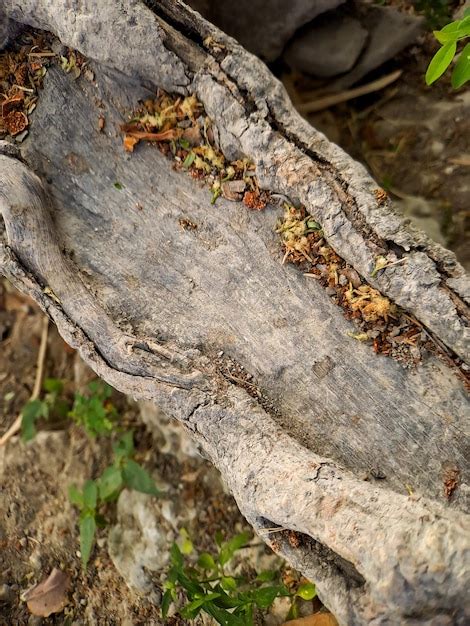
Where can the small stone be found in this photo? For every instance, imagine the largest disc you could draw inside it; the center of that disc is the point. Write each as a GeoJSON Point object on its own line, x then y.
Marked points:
{"type": "Point", "coordinates": [351, 276]}
{"type": "Point", "coordinates": [264, 26]}
{"type": "Point", "coordinates": [390, 31]}
{"type": "Point", "coordinates": [6, 593]}
{"type": "Point", "coordinates": [329, 46]}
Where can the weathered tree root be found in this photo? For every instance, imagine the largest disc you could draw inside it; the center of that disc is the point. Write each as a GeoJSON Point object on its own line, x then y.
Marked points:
{"type": "Point", "coordinates": [377, 556]}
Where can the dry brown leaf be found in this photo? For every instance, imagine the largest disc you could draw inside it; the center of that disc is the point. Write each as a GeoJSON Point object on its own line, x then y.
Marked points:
{"type": "Point", "coordinates": [49, 596]}
{"type": "Point", "coordinates": [129, 143]}
{"type": "Point", "coordinates": [317, 619]}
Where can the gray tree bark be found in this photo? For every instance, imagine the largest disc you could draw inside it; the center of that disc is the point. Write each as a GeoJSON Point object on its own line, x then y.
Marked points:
{"type": "Point", "coordinates": [174, 316]}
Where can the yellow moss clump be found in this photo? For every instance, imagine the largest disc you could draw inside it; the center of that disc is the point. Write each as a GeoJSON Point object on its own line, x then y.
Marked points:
{"type": "Point", "coordinates": [294, 229]}
{"type": "Point", "coordinates": [372, 305]}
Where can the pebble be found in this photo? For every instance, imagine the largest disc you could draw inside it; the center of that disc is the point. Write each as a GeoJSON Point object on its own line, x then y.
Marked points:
{"type": "Point", "coordinates": [6, 593]}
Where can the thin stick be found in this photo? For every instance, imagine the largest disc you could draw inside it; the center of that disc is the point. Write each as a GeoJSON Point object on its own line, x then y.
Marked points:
{"type": "Point", "coordinates": [15, 427]}
{"type": "Point", "coordinates": [335, 98]}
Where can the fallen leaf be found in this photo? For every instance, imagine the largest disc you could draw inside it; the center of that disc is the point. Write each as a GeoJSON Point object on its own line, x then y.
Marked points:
{"type": "Point", "coordinates": [129, 143]}
{"type": "Point", "coordinates": [49, 596]}
{"type": "Point", "coordinates": [317, 619]}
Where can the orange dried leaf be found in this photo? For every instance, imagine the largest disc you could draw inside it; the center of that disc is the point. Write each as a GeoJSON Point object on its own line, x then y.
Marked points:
{"type": "Point", "coordinates": [50, 595]}
{"type": "Point", "coordinates": [130, 142]}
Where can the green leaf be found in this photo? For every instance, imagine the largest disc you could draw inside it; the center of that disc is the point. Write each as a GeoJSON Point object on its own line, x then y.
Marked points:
{"type": "Point", "coordinates": [189, 160]}
{"type": "Point", "coordinates": [228, 549]}
{"type": "Point", "coordinates": [110, 482]}
{"type": "Point", "coordinates": [265, 596]}
{"type": "Point", "coordinates": [100, 389]}
{"type": "Point", "coordinates": [206, 561]}
{"type": "Point", "coordinates": [306, 591]}
{"type": "Point", "coordinates": [76, 496]}
{"type": "Point", "coordinates": [215, 194]}
{"type": "Point", "coordinates": [266, 576]}
{"type": "Point", "coordinates": [189, 611]}
{"type": "Point", "coordinates": [448, 33]}
{"type": "Point", "coordinates": [166, 601]}
{"type": "Point", "coordinates": [87, 535]}
{"type": "Point", "coordinates": [53, 385]}
{"type": "Point", "coordinates": [461, 71]}
{"type": "Point", "coordinates": [118, 185]}
{"type": "Point", "coordinates": [228, 583]}
{"type": "Point", "coordinates": [185, 543]}
{"type": "Point", "coordinates": [219, 537]}
{"type": "Point", "coordinates": [30, 413]}
{"type": "Point", "coordinates": [35, 408]}
{"type": "Point", "coordinates": [176, 556]}
{"type": "Point", "coordinates": [184, 143]}
{"type": "Point", "coordinates": [312, 225]}
{"type": "Point", "coordinates": [440, 62]}
{"type": "Point", "coordinates": [125, 446]}
{"type": "Point", "coordinates": [229, 602]}
{"type": "Point", "coordinates": [91, 412]}
{"type": "Point", "coordinates": [28, 429]}
{"type": "Point", "coordinates": [137, 478]}
{"type": "Point", "coordinates": [224, 617]}
{"type": "Point", "coordinates": [294, 610]}
{"type": "Point", "coordinates": [90, 495]}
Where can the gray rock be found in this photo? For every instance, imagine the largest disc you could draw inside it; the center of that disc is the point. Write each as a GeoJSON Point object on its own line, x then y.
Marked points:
{"type": "Point", "coordinates": [329, 46]}
{"type": "Point", "coordinates": [390, 32]}
{"type": "Point", "coordinates": [263, 26]}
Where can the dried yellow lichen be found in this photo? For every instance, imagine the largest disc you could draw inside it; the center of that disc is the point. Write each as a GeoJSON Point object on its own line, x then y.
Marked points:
{"type": "Point", "coordinates": [294, 228]}
{"type": "Point", "coordinates": [372, 305]}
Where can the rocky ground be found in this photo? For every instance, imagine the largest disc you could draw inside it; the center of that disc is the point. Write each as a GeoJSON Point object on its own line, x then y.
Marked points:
{"type": "Point", "coordinates": [38, 524]}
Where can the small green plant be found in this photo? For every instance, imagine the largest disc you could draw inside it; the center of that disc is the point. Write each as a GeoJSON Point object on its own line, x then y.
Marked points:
{"type": "Point", "coordinates": [124, 472]}
{"type": "Point", "coordinates": [94, 410]}
{"type": "Point", "coordinates": [231, 600]}
{"type": "Point", "coordinates": [449, 37]}
{"type": "Point", "coordinates": [52, 404]}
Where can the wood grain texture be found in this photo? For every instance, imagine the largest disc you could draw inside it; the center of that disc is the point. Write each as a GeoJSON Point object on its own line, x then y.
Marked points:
{"type": "Point", "coordinates": [150, 306]}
